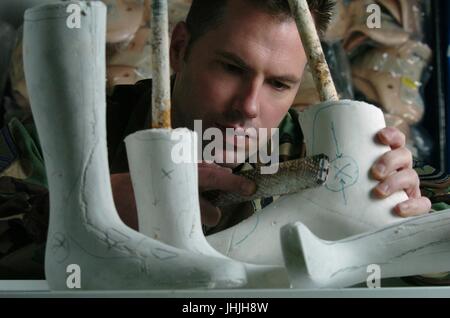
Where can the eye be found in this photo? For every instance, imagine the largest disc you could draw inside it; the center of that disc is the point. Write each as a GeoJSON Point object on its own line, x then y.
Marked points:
{"type": "Point", "coordinates": [231, 68]}
{"type": "Point", "coordinates": [279, 86]}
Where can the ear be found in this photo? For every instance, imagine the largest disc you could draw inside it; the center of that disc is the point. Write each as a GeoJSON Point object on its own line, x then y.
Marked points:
{"type": "Point", "coordinates": [178, 46]}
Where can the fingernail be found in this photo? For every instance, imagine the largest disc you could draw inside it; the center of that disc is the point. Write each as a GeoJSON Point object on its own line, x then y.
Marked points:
{"type": "Point", "coordinates": [381, 169]}
{"type": "Point", "coordinates": [383, 188]}
{"type": "Point", "coordinates": [387, 133]}
{"type": "Point", "coordinates": [248, 188]}
{"type": "Point", "coordinates": [404, 207]}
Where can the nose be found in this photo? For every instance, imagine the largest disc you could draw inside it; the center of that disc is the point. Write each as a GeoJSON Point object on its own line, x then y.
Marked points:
{"type": "Point", "coordinates": [247, 102]}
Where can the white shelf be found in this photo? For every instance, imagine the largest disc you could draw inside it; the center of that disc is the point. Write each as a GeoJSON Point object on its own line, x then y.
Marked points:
{"type": "Point", "coordinates": [39, 289]}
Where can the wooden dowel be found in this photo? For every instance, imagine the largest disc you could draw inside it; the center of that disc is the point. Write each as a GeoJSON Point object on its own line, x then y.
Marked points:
{"type": "Point", "coordinates": [311, 43]}
{"type": "Point", "coordinates": [160, 65]}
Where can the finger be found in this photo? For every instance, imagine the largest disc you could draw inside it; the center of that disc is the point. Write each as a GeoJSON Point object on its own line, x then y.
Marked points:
{"type": "Point", "coordinates": [413, 207]}
{"type": "Point", "coordinates": [207, 165]}
{"type": "Point", "coordinates": [209, 213]}
{"type": "Point", "coordinates": [392, 161]}
{"type": "Point", "coordinates": [403, 180]}
{"type": "Point", "coordinates": [218, 179]}
{"type": "Point", "coordinates": [414, 192]}
{"type": "Point", "coordinates": [392, 137]}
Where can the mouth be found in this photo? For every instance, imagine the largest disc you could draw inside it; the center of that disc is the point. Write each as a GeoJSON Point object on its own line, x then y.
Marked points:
{"type": "Point", "coordinates": [237, 131]}
{"type": "Point", "coordinates": [233, 135]}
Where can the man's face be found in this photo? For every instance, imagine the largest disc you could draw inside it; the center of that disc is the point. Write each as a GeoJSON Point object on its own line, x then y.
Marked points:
{"type": "Point", "coordinates": [243, 74]}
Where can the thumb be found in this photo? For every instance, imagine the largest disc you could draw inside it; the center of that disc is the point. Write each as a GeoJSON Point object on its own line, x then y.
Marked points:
{"type": "Point", "coordinates": [209, 213]}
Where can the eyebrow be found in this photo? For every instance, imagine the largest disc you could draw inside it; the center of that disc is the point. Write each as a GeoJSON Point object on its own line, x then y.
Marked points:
{"type": "Point", "coordinates": [233, 58]}
{"type": "Point", "coordinates": [291, 79]}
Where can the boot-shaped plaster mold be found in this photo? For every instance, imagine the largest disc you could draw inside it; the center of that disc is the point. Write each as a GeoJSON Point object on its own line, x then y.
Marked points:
{"type": "Point", "coordinates": [163, 169]}
{"type": "Point", "coordinates": [345, 131]}
{"type": "Point", "coordinates": [65, 71]}
{"type": "Point", "coordinates": [164, 174]}
{"type": "Point", "coordinates": [411, 247]}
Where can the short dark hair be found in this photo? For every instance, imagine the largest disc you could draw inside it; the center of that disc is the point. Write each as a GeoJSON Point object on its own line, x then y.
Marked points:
{"type": "Point", "coordinates": [204, 15]}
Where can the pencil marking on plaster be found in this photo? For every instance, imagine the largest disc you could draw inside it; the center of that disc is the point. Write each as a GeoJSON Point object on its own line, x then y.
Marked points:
{"type": "Point", "coordinates": [125, 250]}
{"type": "Point", "coordinates": [353, 269]}
{"type": "Point", "coordinates": [230, 242]}
{"type": "Point", "coordinates": [60, 247]}
{"type": "Point", "coordinates": [192, 232]}
{"type": "Point", "coordinates": [316, 116]}
{"type": "Point", "coordinates": [434, 218]}
{"type": "Point", "coordinates": [112, 239]}
{"type": "Point", "coordinates": [333, 130]}
{"type": "Point", "coordinates": [344, 175]}
{"type": "Point", "coordinates": [421, 247]}
{"type": "Point", "coordinates": [443, 224]}
{"type": "Point", "coordinates": [156, 233]}
{"type": "Point", "coordinates": [163, 254]}
{"type": "Point", "coordinates": [402, 255]}
{"type": "Point", "coordinates": [345, 172]}
{"type": "Point", "coordinates": [166, 174]}
{"type": "Point", "coordinates": [250, 232]}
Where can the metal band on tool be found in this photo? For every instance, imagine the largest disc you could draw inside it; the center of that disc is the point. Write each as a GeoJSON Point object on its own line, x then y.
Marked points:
{"type": "Point", "coordinates": [292, 176]}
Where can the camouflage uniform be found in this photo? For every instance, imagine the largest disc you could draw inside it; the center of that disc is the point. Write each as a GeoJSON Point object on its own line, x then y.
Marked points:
{"type": "Point", "coordinates": [24, 204]}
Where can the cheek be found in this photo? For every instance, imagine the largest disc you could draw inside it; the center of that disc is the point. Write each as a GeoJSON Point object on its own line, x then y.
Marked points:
{"type": "Point", "coordinates": [272, 114]}
{"type": "Point", "coordinates": [212, 92]}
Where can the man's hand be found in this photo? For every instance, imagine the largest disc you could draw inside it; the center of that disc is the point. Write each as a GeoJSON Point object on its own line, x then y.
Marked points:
{"type": "Point", "coordinates": [214, 177]}
{"type": "Point", "coordinates": [210, 177]}
{"type": "Point", "coordinates": [394, 171]}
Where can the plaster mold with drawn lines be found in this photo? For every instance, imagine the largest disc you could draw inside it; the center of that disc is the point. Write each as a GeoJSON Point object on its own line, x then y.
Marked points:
{"type": "Point", "coordinates": [413, 246]}
{"type": "Point", "coordinates": [343, 207]}
{"type": "Point", "coordinates": [65, 72]}
{"type": "Point", "coordinates": [167, 198]}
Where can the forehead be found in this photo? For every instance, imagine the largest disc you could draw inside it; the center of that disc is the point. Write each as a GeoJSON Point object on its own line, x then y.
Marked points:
{"type": "Point", "coordinates": [257, 37]}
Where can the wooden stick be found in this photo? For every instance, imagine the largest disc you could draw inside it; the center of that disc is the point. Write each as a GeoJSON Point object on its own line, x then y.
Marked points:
{"type": "Point", "coordinates": [311, 43]}
{"type": "Point", "coordinates": [160, 65]}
